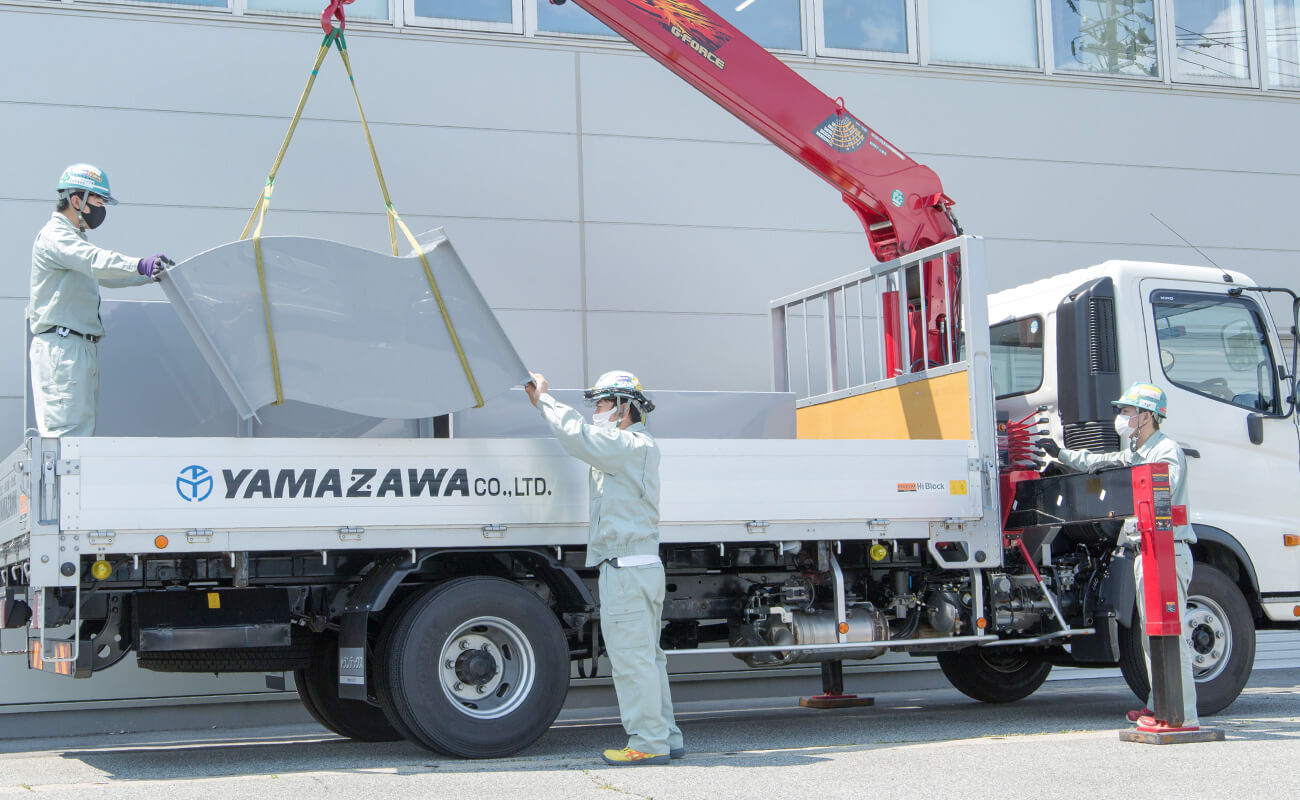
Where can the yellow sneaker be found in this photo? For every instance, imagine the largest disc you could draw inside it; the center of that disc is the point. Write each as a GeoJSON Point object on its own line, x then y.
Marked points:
{"type": "Point", "coordinates": [627, 757]}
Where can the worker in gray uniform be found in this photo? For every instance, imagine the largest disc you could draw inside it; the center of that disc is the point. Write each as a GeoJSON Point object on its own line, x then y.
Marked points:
{"type": "Point", "coordinates": [67, 271]}
{"type": "Point", "coordinates": [623, 541]}
{"type": "Point", "coordinates": [1141, 410]}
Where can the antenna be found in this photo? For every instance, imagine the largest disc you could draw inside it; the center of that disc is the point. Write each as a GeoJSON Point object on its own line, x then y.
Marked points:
{"type": "Point", "coordinates": [1226, 277]}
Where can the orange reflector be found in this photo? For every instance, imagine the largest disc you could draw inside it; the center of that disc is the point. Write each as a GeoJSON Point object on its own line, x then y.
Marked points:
{"type": "Point", "coordinates": [844, 627]}
{"type": "Point", "coordinates": [1290, 539]}
{"type": "Point", "coordinates": [160, 542]}
{"type": "Point", "coordinates": [981, 623]}
{"type": "Point", "coordinates": [1296, 611]}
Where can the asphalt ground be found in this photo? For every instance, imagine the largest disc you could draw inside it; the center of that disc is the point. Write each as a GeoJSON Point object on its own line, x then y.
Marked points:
{"type": "Point", "coordinates": [1061, 742]}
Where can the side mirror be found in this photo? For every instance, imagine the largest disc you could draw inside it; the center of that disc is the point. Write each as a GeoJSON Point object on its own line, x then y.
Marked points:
{"type": "Point", "coordinates": [1255, 427]}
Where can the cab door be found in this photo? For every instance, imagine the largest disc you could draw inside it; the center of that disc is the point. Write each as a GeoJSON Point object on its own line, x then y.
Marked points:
{"type": "Point", "coordinates": [1217, 356]}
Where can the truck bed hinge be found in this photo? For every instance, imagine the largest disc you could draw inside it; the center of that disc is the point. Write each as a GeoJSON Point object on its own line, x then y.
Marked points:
{"type": "Point", "coordinates": [877, 525]}
{"type": "Point", "coordinates": [351, 534]}
{"type": "Point", "coordinates": [199, 536]}
{"type": "Point", "coordinates": [494, 531]}
{"type": "Point", "coordinates": [757, 526]}
{"type": "Point", "coordinates": [67, 466]}
{"type": "Point", "coordinates": [101, 538]}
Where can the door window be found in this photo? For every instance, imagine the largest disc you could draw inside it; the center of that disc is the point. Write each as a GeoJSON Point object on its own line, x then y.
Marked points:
{"type": "Point", "coordinates": [1216, 346]}
{"type": "Point", "coordinates": [1017, 356]}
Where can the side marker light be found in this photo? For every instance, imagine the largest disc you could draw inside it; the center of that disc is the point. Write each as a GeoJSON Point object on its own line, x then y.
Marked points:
{"type": "Point", "coordinates": [1290, 539]}
{"type": "Point", "coordinates": [160, 542]}
{"type": "Point", "coordinates": [981, 623]}
{"type": "Point", "coordinates": [101, 569]}
{"type": "Point", "coordinates": [844, 627]}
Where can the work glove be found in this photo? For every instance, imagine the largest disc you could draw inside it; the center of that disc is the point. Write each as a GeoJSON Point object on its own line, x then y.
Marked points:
{"type": "Point", "coordinates": [1049, 446]}
{"type": "Point", "coordinates": [153, 266]}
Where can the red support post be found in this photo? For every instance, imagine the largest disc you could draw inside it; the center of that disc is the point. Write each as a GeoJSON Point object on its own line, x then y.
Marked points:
{"type": "Point", "coordinates": [1153, 507]}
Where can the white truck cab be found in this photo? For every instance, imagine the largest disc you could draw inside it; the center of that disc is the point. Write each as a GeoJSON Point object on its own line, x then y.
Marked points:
{"type": "Point", "coordinates": [1073, 342]}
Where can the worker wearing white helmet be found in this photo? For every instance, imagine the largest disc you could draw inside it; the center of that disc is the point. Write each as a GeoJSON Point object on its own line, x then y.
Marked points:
{"type": "Point", "coordinates": [1141, 410]}
{"type": "Point", "coordinates": [63, 314]}
{"type": "Point", "coordinates": [623, 542]}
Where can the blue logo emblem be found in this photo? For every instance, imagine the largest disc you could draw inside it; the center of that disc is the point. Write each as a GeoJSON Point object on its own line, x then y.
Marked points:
{"type": "Point", "coordinates": [194, 484]}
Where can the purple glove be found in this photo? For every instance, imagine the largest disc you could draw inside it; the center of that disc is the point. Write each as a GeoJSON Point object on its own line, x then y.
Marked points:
{"type": "Point", "coordinates": [154, 263]}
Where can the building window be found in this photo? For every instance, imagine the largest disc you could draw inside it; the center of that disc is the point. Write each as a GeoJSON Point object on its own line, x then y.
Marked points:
{"type": "Point", "coordinates": [488, 15]}
{"type": "Point", "coordinates": [878, 28]}
{"type": "Point", "coordinates": [999, 33]}
{"type": "Point", "coordinates": [360, 9]}
{"type": "Point", "coordinates": [1282, 42]}
{"type": "Point", "coordinates": [568, 18]}
{"type": "Point", "coordinates": [1210, 42]}
{"type": "Point", "coordinates": [774, 24]}
{"type": "Point", "coordinates": [1111, 37]}
{"type": "Point", "coordinates": [1017, 350]}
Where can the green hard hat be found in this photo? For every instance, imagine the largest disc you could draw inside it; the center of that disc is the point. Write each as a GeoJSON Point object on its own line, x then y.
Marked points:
{"type": "Point", "coordinates": [86, 177]}
{"type": "Point", "coordinates": [1145, 396]}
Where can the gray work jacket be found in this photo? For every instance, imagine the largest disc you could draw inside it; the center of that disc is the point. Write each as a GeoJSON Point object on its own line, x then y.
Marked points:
{"type": "Point", "coordinates": [624, 481]}
{"type": "Point", "coordinates": [67, 272]}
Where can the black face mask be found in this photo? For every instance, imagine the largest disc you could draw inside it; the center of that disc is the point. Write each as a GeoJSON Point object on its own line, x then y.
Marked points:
{"type": "Point", "coordinates": [93, 215]}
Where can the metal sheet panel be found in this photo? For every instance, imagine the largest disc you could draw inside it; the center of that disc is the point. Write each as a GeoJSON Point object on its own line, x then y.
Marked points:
{"type": "Point", "coordinates": [354, 330]}
{"type": "Point", "coordinates": [677, 415]}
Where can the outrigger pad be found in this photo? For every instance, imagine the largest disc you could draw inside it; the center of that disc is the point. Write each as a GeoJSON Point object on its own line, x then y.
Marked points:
{"type": "Point", "coordinates": [354, 330]}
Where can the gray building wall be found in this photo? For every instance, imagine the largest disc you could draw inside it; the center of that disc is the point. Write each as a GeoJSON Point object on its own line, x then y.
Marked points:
{"type": "Point", "coordinates": [610, 214]}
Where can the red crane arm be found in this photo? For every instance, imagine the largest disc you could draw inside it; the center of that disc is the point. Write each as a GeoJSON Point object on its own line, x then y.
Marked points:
{"type": "Point", "coordinates": [900, 203]}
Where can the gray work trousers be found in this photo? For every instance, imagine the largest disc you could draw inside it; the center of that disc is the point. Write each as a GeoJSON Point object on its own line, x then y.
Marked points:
{"type": "Point", "coordinates": [631, 611]}
{"type": "Point", "coordinates": [65, 384]}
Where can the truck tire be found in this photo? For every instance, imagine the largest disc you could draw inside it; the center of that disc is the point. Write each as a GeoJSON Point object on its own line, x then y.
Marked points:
{"type": "Point", "coordinates": [475, 667]}
{"type": "Point", "coordinates": [318, 687]}
{"type": "Point", "coordinates": [994, 675]}
{"type": "Point", "coordinates": [1222, 636]}
{"type": "Point", "coordinates": [238, 659]}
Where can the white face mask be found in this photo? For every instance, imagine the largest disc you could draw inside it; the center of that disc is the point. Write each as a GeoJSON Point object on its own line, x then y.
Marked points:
{"type": "Point", "coordinates": [1124, 427]}
{"type": "Point", "coordinates": [607, 419]}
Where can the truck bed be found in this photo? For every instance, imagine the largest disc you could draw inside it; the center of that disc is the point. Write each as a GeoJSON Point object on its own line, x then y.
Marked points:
{"type": "Point", "coordinates": [118, 495]}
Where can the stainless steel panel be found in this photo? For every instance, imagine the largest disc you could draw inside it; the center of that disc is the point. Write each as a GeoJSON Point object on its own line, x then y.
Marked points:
{"type": "Point", "coordinates": [354, 330]}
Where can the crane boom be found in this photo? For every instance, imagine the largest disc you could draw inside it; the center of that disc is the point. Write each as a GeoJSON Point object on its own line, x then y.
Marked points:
{"type": "Point", "coordinates": [900, 203]}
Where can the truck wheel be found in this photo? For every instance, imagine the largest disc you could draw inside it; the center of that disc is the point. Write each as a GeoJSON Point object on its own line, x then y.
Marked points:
{"type": "Point", "coordinates": [1222, 634]}
{"type": "Point", "coordinates": [994, 674]}
{"type": "Point", "coordinates": [475, 667]}
{"type": "Point", "coordinates": [318, 687]}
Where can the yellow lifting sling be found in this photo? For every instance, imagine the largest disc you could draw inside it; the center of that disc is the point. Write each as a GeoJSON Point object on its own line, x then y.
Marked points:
{"type": "Point", "coordinates": [335, 38]}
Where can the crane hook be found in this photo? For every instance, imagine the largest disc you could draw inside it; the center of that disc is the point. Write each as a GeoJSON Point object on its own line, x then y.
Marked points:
{"type": "Point", "coordinates": [334, 10]}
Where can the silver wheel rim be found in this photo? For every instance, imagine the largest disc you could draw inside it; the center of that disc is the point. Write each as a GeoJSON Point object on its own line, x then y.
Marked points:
{"type": "Point", "coordinates": [1209, 636]}
{"type": "Point", "coordinates": [486, 667]}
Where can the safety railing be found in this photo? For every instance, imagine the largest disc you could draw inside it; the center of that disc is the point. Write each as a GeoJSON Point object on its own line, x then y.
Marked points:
{"type": "Point", "coordinates": [888, 324]}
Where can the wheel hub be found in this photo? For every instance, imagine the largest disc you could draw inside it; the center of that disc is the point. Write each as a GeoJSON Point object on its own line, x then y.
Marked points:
{"type": "Point", "coordinates": [1209, 635]}
{"type": "Point", "coordinates": [476, 666]}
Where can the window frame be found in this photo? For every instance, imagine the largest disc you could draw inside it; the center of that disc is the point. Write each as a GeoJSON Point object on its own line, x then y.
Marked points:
{"type": "Point", "coordinates": [241, 8]}
{"type": "Point", "coordinates": [804, 38]}
{"type": "Point", "coordinates": [1049, 50]}
{"type": "Point", "coordinates": [1260, 53]}
{"type": "Point", "coordinates": [912, 56]}
{"type": "Point", "coordinates": [515, 26]}
{"type": "Point", "coordinates": [1170, 47]}
{"type": "Point", "coordinates": [532, 23]}
{"type": "Point", "coordinates": [1042, 353]}
{"type": "Point", "coordinates": [927, 59]}
{"type": "Point", "coordinates": [1261, 325]}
